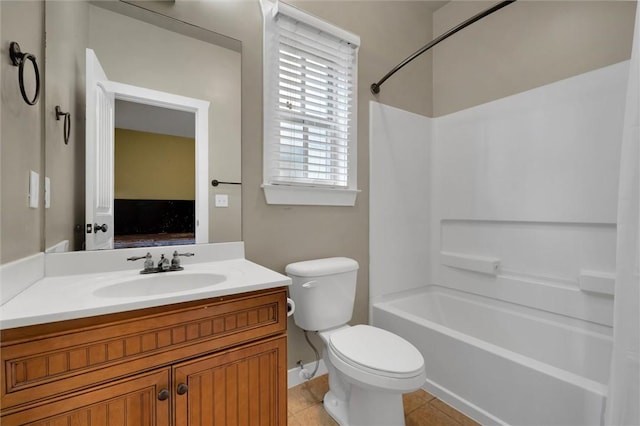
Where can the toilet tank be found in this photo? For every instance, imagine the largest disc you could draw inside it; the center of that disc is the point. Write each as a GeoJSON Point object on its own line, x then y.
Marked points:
{"type": "Point", "coordinates": [324, 291]}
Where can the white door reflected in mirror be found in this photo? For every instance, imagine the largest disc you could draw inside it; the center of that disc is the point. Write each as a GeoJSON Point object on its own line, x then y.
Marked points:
{"type": "Point", "coordinates": [100, 129]}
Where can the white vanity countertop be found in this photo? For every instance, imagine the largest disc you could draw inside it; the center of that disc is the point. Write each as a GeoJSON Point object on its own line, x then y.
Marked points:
{"type": "Point", "coordinates": [64, 297]}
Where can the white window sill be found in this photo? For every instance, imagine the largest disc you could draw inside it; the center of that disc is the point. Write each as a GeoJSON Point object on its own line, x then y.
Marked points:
{"type": "Point", "coordinates": [309, 195]}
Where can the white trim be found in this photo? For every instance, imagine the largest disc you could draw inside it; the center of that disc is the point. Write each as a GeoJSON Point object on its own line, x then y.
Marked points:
{"type": "Point", "coordinates": [200, 108]}
{"type": "Point", "coordinates": [309, 195]}
{"type": "Point", "coordinates": [141, 95]}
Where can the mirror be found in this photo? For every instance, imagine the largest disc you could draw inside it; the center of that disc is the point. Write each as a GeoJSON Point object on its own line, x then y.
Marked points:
{"type": "Point", "coordinates": [159, 191]}
{"type": "Point", "coordinates": [141, 48]}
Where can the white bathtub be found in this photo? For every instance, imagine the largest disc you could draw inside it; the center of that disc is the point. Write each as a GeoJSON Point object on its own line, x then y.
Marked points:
{"type": "Point", "coordinates": [501, 363]}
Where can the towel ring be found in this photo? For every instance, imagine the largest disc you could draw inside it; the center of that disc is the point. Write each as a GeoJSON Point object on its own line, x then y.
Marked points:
{"type": "Point", "coordinates": [18, 59]}
{"type": "Point", "coordinates": [66, 131]}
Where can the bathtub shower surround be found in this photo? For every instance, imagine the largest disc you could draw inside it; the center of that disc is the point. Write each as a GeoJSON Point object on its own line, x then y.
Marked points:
{"type": "Point", "coordinates": [509, 236]}
{"type": "Point", "coordinates": [399, 201]}
{"type": "Point", "coordinates": [624, 386]}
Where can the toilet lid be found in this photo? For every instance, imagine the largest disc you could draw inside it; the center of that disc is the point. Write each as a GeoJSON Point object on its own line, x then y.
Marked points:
{"type": "Point", "coordinates": [377, 350]}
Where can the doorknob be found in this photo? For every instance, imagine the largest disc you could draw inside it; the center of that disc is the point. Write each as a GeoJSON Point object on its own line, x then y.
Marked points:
{"type": "Point", "coordinates": [163, 395]}
{"type": "Point", "coordinates": [102, 228]}
{"type": "Point", "coordinates": [182, 388]}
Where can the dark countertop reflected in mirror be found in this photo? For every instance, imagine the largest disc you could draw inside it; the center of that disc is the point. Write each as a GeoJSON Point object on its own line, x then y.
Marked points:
{"type": "Point", "coordinates": [153, 194]}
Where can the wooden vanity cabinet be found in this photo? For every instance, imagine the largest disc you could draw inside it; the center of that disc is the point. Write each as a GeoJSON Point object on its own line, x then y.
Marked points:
{"type": "Point", "coordinates": [219, 361]}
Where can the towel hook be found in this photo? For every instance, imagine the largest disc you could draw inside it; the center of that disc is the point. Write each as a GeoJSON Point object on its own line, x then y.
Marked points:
{"type": "Point", "coordinates": [66, 131]}
{"type": "Point", "coordinates": [18, 59]}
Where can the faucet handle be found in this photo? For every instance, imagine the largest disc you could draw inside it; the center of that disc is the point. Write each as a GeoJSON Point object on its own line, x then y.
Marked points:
{"type": "Point", "coordinates": [146, 256]}
{"type": "Point", "coordinates": [148, 262]}
{"type": "Point", "coordinates": [175, 262]}
{"type": "Point", "coordinates": [176, 254]}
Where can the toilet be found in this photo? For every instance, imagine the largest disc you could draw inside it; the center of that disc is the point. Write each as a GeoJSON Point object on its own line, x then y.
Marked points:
{"type": "Point", "coordinates": [369, 368]}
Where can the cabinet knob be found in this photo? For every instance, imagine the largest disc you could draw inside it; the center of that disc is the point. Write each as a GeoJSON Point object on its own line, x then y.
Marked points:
{"type": "Point", "coordinates": [182, 388]}
{"type": "Point", "coordinates": [163, 395]}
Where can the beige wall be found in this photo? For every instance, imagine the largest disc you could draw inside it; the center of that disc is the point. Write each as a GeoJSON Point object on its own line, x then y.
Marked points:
{"type": "Point", "coordinates": [21, 133]}
{"type": "Point", "coordinates": [277, 235]}
{"type": "Point", "coordinates": [149, 166]}
{"type": "Point", "coordinates": [525, 45]}
{"type": "Point", "coordinates": [64, 163]}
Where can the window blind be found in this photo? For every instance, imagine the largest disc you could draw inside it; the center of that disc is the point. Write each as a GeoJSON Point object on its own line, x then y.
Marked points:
{"type": "Point", "coordinates": [312, 108]}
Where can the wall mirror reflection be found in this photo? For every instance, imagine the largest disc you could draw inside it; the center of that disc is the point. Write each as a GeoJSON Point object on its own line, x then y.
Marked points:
{"type": "Point", "coordinates": [154, 176]}
{"type": "Point", "coordinates": [161, 179]}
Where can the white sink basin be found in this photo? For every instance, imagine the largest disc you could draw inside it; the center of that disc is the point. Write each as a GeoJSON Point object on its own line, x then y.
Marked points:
{"type": "Point", "coordinates": [161, 283]}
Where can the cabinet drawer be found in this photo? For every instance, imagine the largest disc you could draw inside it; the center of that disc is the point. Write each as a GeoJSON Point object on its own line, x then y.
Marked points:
{"type": "Point", "coordinates": [96, 350]}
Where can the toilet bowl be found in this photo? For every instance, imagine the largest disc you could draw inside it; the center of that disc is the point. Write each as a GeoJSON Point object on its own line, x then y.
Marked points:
{"type": "Point", "coordinates": [376, 367]}
{"type": "Point", "coordinates": [369, 368]}
{"type": "Point", "coordinates": [377, 358]}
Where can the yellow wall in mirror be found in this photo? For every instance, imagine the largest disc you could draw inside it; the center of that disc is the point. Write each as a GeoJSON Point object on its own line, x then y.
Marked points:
{"type": "Point", "coordinates": [151, 166]}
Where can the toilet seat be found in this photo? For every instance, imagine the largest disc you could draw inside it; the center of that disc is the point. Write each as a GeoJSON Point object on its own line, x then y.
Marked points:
{"type": "Point", "coordinates": [377, 352]}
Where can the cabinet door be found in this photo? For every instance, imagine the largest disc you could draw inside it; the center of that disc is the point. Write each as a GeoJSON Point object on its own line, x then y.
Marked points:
{"type": "Point", "coordinates": [131, 402]}
{"type": "Point", "coordinates": [243, 386]}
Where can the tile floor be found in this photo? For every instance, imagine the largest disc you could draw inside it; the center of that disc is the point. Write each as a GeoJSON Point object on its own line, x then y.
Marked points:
{"type": "Point", "coordinates": [420, 408]}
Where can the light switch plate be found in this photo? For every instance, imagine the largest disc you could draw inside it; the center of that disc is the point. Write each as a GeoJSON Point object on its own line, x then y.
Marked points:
{"type": "Point", "coordinates": [222, 200]}
{"type": "Point", "coordinates": [34, 189]}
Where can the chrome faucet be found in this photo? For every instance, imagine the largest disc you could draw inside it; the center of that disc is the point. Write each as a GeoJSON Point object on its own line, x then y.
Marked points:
{"type": "Point", "coordinates": [163, 264]}
{"type": "Point", "coordinates": [175, 262]}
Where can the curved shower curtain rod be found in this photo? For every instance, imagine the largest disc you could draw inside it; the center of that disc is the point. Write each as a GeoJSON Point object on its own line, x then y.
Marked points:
{"type": "Point", "coordinates": [375, 87]}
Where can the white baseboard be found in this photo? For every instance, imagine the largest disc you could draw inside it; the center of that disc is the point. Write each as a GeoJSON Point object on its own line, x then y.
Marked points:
{"type": "Point", "coordinates": [293, 375]}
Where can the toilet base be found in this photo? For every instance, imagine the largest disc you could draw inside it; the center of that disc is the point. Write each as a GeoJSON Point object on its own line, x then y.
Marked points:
{"type": "Point", "coordinates": [371, 407]}
{"type": "Point", "coordinates": [366, 408]}
{"type": "Point", "coordinates": [336, 408]}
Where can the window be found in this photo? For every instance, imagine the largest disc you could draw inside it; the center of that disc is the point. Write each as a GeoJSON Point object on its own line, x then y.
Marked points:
{"type": "Point", "coordinates": [310, 110]}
